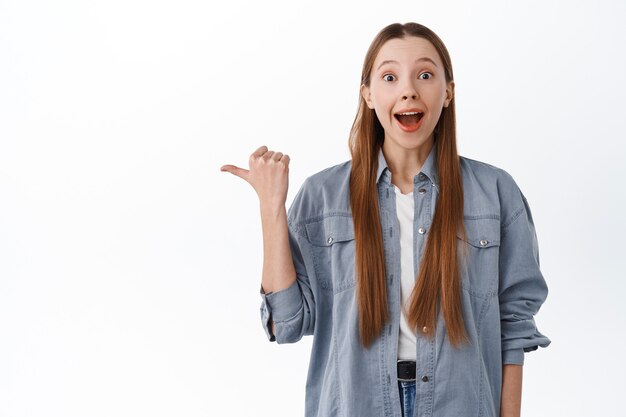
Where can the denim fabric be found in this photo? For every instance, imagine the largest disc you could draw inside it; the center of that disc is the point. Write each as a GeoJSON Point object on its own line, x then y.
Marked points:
{"type": "Point", "coordinates": [502, 289]}
{"type": "Point", "coordinates": [407, 397]}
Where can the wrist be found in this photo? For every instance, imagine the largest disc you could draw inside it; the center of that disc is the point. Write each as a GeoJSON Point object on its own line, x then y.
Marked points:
{"type": "Point", "coordinates": [272, 211]}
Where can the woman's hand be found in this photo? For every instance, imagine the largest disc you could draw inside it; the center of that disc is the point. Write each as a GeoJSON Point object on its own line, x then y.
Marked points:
{"type": "Point", "coordinates": [268, 175]}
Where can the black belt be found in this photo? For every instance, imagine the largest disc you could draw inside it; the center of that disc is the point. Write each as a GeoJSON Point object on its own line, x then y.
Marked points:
{"type": "Point", "coordinates": [406, 370]}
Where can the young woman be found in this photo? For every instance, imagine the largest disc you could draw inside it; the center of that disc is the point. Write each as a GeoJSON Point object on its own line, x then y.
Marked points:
{"type": "Point", "coordinates": [416, 269]}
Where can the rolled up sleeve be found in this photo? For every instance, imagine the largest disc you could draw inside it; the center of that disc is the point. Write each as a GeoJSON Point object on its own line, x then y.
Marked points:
{"type": "Point", "coordinates": [522, 287]}
{"type": "Point", "coordinates": [292, 309]}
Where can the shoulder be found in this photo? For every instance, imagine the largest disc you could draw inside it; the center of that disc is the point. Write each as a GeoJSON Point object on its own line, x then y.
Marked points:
{"type": "Point", "coordinates": [484, 171]}
{"type": "Point", "coordinates": [323, 193]}
{"type": "Point", "coordinates": [485, 183]}
{"type": "Point", "coordinates": [330, 177]}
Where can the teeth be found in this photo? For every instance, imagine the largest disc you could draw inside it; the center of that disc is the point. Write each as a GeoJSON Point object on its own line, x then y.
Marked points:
{"type": "Point", "coordinates": [409, 113]}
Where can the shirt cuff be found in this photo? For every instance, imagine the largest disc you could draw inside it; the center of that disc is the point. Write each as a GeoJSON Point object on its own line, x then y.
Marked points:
{"type": "Point", "coordinates": [266, 316]}
{"type": "Point", "coordinates": [279, 306]}
{"type": "Point", "coordinates": [513, 357]}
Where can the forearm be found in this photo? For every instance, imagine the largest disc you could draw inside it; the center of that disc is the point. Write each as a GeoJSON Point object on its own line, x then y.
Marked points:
{"type": "Point", "coordinates": [278, 270]}
{"type": "Point", "coordinates": [511, 403]}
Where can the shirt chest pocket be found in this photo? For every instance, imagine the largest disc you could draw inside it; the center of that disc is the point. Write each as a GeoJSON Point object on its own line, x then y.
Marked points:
{"type": "Point", "coordinates": [479, 266]}
{"type": "Point", "coordinates": [332, 243]}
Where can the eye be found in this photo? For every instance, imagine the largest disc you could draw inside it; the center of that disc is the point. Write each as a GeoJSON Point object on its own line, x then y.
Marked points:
{"type": "Point", "coordinates": [429, 75]}
{"type": "Point", "coordinates": [387, 75]}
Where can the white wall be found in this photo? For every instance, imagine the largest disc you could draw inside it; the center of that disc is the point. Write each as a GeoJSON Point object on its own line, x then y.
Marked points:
{"type": "Point", "coordinates": [130, 265]}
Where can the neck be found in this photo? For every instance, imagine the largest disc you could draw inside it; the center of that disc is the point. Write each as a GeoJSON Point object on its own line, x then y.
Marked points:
{"type": "Point", "coordinates": [405, 164]}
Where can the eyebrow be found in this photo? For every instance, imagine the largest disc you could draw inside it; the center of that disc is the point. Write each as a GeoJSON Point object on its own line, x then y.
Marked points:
{"type": "Point", "coordinates": [391, 61]}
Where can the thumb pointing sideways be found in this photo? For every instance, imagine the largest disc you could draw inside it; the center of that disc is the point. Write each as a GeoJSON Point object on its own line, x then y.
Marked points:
{"type": "Point", "coordinates": [240, 172]}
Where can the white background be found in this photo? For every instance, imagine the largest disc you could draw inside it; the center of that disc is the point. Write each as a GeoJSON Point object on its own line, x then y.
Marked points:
{"type": "Point", "coordinates": [130, 266]}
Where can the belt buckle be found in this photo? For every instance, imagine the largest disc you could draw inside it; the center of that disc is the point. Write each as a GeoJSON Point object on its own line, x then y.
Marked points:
{"type": "Point", "coordinates": [405, 379]}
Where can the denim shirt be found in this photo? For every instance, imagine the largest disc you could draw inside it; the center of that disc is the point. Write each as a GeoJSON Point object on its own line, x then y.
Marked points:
{"type": "Point", "coordinates": [502, 289]}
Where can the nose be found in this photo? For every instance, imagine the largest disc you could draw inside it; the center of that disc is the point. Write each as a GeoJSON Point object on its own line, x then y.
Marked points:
{"type": "Point", "coordinates": [409, 90]}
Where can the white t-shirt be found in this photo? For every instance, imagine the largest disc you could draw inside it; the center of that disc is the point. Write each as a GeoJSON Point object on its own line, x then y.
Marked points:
{"type": "Point", "coordinates": [405, 208]}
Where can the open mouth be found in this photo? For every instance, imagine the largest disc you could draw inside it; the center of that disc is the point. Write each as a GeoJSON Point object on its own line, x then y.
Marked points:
{"type": "Point", "coordinates": [409, 119]}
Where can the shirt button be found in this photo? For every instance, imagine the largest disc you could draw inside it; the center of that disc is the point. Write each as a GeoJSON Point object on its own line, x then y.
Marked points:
{"type": "Point", "coordinates": [425, 329]}
{"type": "Point", "coordinates": [483, 242]}
{"type": "Point", "coordinates": [422, 190]}
{"type": "Point", "coordinates": [421, 230]}
{"type": "Point", "coordinates": [330, 240]}
{"type": "Point", "coordinates": [425, 378]}
{"type": "Point", "coordinates": [422, 176]}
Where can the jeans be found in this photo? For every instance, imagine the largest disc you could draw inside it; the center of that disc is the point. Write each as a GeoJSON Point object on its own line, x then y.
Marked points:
{"type": "Point", "coordinates": [407, 397]}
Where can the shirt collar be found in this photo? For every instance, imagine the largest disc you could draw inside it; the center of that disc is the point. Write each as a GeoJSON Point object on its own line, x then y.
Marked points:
{"type": "Point", "coordinates": [429, 168]}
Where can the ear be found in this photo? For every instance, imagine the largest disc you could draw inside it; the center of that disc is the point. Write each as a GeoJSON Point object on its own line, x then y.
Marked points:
{"type": "Point", "coordinates": [449, 94]}
{"type": "Point", "coordinates": [367, 96]}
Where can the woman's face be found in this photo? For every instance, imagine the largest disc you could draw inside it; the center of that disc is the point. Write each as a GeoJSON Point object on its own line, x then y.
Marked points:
{"type": "Point", "coordinates": [408, 75]}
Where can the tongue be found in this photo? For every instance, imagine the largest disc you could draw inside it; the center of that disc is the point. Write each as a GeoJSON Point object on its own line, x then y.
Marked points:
{"type": "Point", "coordinates": [408, 120]}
